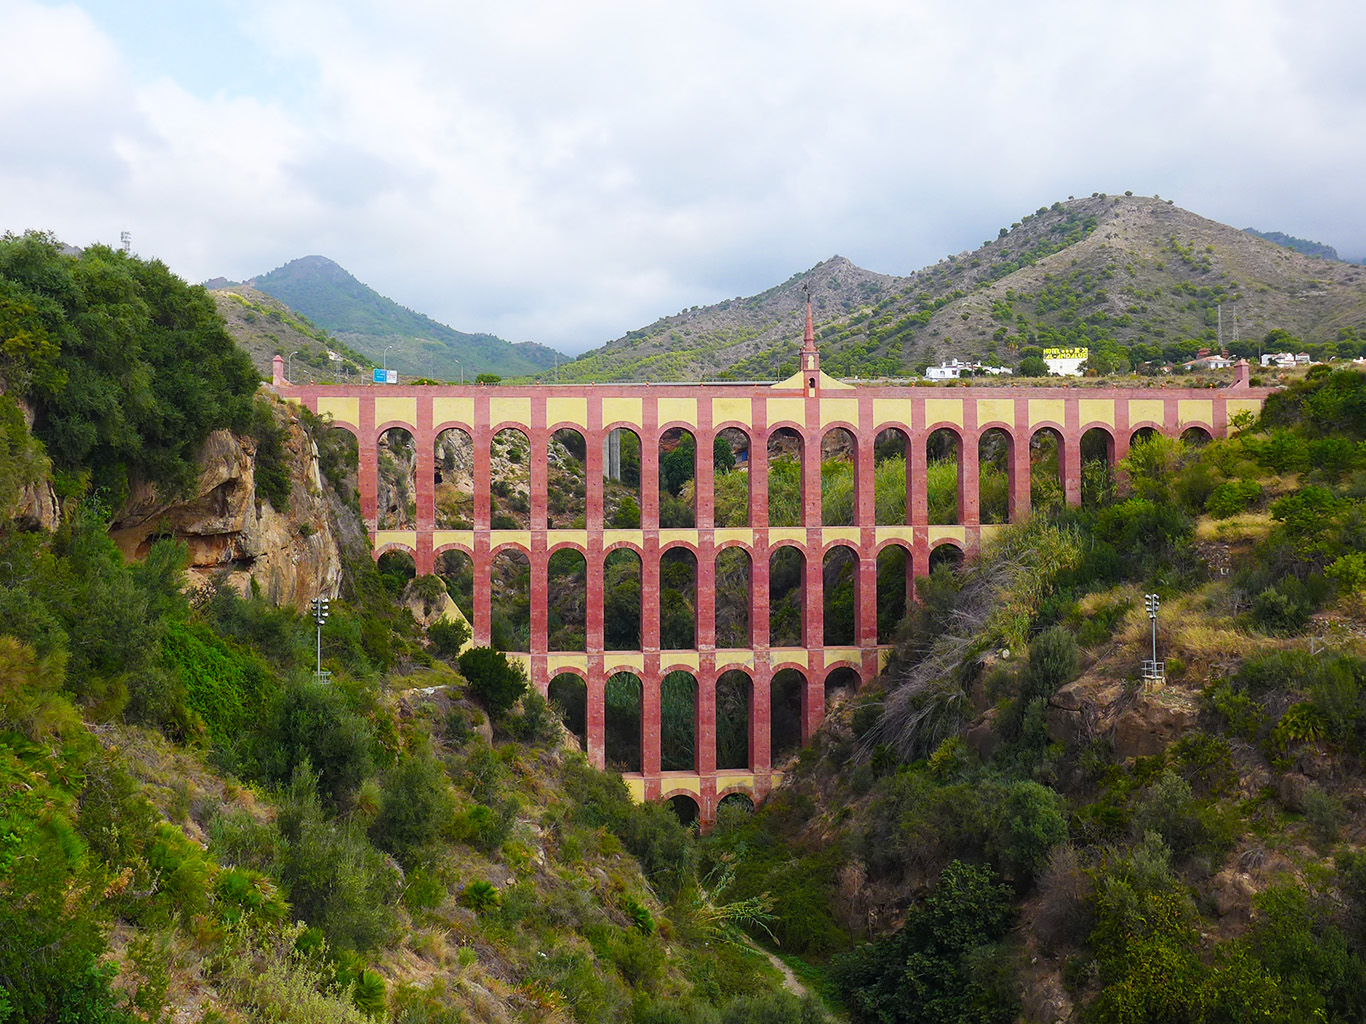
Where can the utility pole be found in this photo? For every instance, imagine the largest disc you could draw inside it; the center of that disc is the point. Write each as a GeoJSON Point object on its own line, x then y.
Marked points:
{"type": "Point", "coordinates": [319, 607]}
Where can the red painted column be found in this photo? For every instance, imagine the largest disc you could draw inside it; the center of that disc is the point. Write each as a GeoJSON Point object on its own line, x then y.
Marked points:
{"type": "Point", "coordinates": [596, 725]}
{"type": "Point", "coordinates": [424, 439]}
{"type": "Point", "coordinates": [704, 467]}
{"type": "Point", "coordinates": [539, 468]}
{"type": "Point", "coordinates": [761, 718]}
{"type": "Point", "coordinates": [481, 438]}
{"type": "Point", "coordinates": [704, 600]}
{"type": "Point", "coordinates": [482, 563]}
{"type": "Point", "coordinates": [919, 463]}
{"type": "Point", "coordinates": [758, 465]}
{"type": "Point", "coordinates": [1071, 452]}
{"type": "Point", "coordinates": [1119, 446]}
{"type": "Point", "coordinates": [1019, 456]}
{"type": "Point", "coordinates": [969, 480]}
{"type": "Point", "coordinates": [649, 520]}
{"type": "Point", "coordinates": [813, 594]}
{"type": "Point", "coordinates": [367, 470]}
{"type": "Point", "coordinates": [865, 626]}
{"type": "Point", "coordinates": [596, 596]}
{"type": "Point", "coordinates": [704, 734]}
{"type": "Point", "coordinates": [813, 591]}
{"type": "Point", "coordinates": [865, 498]}
{"type": "Point", "coordinates": [650, 681]}
{"type": "Point", "coordinates": [811, 466]}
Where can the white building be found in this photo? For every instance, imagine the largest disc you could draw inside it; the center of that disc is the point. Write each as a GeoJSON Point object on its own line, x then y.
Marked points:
{"type": "Point", "coordinates": [953, 369]}
{"type": "Point", "coordinates": [1065, 362]}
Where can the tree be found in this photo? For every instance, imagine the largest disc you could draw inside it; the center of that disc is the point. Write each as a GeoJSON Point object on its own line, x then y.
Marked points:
{"type": "Point", "coordinates": [723, 459]}
{"type": "Point", "coordinates": [1032, 366]}
{"type": "Point", "coordinates": [497, 682]}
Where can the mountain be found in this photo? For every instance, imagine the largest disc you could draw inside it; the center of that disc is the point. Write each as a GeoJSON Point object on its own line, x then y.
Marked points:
{"type": "Point", "coordinates": [1323, 252]}
{"type": "Point", "coordinates": [1133, 276]}
{"type": "Point", "coordinates": [417, 345]}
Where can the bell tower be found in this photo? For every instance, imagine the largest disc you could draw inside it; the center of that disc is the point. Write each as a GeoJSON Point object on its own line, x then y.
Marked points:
{"type": "Point", "coordinates": [810, 358]}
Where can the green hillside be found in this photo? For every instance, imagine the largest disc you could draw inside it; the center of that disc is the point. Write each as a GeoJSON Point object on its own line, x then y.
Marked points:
{"type": "Point", "coordinates": [367, 321]}
{"type": "Point", "coordinates": [1134, 278]}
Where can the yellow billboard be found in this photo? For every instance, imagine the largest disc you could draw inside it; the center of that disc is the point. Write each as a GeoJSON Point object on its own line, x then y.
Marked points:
{"type": "Point", "coordinates": [1067, 353]}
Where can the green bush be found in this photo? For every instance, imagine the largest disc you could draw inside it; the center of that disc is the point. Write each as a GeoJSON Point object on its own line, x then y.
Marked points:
{"type": "Point", "coordinates": [496, 681]}
{"type": "Point", "coordinates": [1053, 662]}
{"type": "Point", "coordinates": [312, 724]}
{"type": "Point", "coordinates": [417, 807]}
{"type": "Point", "coordinates": [480, 896]}
{"type": "Point", "coordinates": [448, 636]}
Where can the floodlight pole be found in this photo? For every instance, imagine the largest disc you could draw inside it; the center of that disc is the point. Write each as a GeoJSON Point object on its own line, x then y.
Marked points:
{"type": "Point", "coordinates": [320, 612]}
{"type": "Point", "coordinates": [1152, 601]}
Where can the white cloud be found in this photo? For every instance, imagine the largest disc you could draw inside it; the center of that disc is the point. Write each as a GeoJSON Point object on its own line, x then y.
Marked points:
{"type": "Point", "coordinates": [567, 172]}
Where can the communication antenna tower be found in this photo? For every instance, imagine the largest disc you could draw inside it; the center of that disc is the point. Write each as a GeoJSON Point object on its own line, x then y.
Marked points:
{"type": "Point", "coordinates": [126, 240]}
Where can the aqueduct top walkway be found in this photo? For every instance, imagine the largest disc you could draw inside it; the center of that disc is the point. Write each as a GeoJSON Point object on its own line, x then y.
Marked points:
{"type": "Point", "coordinates": [810, 404]}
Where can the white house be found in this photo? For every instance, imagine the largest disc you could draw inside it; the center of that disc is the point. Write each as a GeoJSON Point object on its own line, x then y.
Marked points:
{"type": "Point", "coordinates": [953, 369]}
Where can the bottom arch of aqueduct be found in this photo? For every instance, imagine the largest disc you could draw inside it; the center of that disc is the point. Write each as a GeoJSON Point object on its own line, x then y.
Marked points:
{"type": "Point", "coordinates": [807, 406]}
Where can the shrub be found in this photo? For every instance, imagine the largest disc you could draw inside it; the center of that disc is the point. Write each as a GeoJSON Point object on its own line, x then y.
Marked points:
{"type": "Point", "coordinates": [447, 636]}
{"type": "Point", "coordinates": [1053, 662]}
{"type": "Point", "coordinates": [497, 682]}
{"type": "Point", "coordinates": [480, 896]}
{"type": "Point", "coordinates": [417, 807]}
{"type": "Point", "coordinates": [313, 725]}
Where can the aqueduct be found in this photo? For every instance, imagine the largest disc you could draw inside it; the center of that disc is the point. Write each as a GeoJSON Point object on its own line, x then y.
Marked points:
{"type": "Point", "coordinates": [809, 406]}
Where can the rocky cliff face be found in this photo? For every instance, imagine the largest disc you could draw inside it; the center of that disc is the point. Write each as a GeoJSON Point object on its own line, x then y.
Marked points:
{"type": "Point", "coordinates": [291, 557]}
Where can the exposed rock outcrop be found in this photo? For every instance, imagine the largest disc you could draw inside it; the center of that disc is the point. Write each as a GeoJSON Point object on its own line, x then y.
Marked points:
{"type": "Point", "coordinates": [1140, 723]}
{"type": "Point", "coordinates": [229, 528]}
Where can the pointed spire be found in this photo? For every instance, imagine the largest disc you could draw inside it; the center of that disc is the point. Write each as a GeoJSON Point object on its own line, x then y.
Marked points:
{"type": "Point", "coordinates": [809, 338]}
{"type": "Point", "coordinates": [810, 358]}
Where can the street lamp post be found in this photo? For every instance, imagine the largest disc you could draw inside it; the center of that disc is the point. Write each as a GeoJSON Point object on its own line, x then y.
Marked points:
{"type": "Point", "coordinates": [289, 365]}
{"type": "Point", "coordinates": [386, 356]}
{"type": "Point", "coordinates": [462, 370]}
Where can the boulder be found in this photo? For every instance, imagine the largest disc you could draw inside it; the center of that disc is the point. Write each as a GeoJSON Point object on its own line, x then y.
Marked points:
{"type": "Point", "coordinates": [1152, 723]}
{"type": "Point", "coordinates": [232, 532]}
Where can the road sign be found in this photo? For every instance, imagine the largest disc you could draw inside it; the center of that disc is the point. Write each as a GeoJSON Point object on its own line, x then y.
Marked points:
{"type": "Point", "coordinates": [380, 376]}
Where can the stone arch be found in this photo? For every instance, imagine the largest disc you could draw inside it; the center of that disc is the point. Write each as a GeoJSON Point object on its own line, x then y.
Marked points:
{"type": "Point", "coordinates": [622, 581]}
{"type": "Point", "coordinates": [623, 702]}
{"type": "Point", "coordinates": [841, 683]}
{"type": "Point", "coordinates": [678, 706]}
{"type": "Point", "coordinates": [891, 476]}
{"type": "Point", "coordinates": [733, 580]}
{"type": "Point", "coordinates": [678, 597]}
{"type": "Point", "coordinates": [786, 698]}
{"type": "Point", "coordinates": [786, 477]}
{"type": "Point", "coordinates": [455, 566]}
{"type": "Point", "coordinates": [1197, 435]}
{"type": "Point", "coordinates": [396, 479]}
{"type": "Point", "coordinates": [839, 477]}
{"type": "Point", "coordinates": [840, 595]}
{"type": "Point", "coordinates": [566, 480]}
{"type": "Point", "coordinates": [946, 552]}
{"type": "Point", "coordinates": [453, 479]}
{"type": "Point", "coordinates": [734, 711]}
{"type": "Point", "coordinates": [895, 583]}
{"type": "Point", "coordinates": [397, 564]}
{"type": "Point", "coordinates": [621, 502]}
{"type": "Point", "coordinates": [567, 598]}
{"type": "Point", "coordinates": [1097, 465]}
{"type": "Point", "coordinates": [944, 475]}
{"type": "Point", "coordinates": [568, 694]}
{"type": "Point", "coordinates": [730, 478]}
{"type": "Point", "coordinates": [1047, 474]}
{"type": "Point", "coordinates": [1143, 432]}
{"type": "Point", "coordinates": [510, 598]}
{"type": "Point", "coordinates": [735, 797]}
{"type": "Point", "coordinates": [787, 596]}
{"type": "Point", "coordinates": [510, 479]}
{"type": "Point", "coordinates": [995, 475]}
{"type": "Point", "coordinates": [677, 478]}
{"type": "Point", "coordinates": [684, 805]}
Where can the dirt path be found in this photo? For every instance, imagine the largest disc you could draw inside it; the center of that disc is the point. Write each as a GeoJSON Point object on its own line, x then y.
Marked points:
{"type": "Point", "coordinates": [790, 981]}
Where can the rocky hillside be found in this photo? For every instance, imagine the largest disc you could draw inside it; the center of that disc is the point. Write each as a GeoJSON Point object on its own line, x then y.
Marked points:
{"type": "Point", "coordinates": [265, 327]}
{"type": "Point", "coordinates": [1098, 271]}
{"type": "Point", "coordinates": [370, 322]}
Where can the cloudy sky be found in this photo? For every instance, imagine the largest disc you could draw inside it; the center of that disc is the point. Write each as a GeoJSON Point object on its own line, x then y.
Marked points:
{"type": "Point", "coordinates": [567, 171]}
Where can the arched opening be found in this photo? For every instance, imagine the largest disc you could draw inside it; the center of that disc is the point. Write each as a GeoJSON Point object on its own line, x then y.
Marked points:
{"type": "Point", "coordinates": [339, 459]}
{"type": "Point", "coordinates": [785, 478]}
{"type": "Point", "coordinates": [1097, 467]}
{"type": "Point", "coordinates": [894, 583]}
{"type": "Point", "coordinates": [1142, 434]}
{"type": "Point", "coordinates": [734, 691]}
{"type": "Point", "coordinates": [786, 589]}
{"type": "Point", "coordinates": [995, 466]}
{"type": "Point", "coordinates": [840, 685]}
{"type": "Point", "coordinates": [733, 582]}
{"type": "Point", "coordinates": [839, 478]}
{"type": "Point", "coordinates": [568, 695]}
{"type": "Point", "coordinates": [621, 600]}
{"type": "Point", "coordinates": [733, 804]}
{"type": "Point", "coordinates": [677, 600]}
{"type": "Point", "coordinates": [941, 488]}
{"type": "Point", "coordinates": [456, 570]}
{"type": "Point", "coordinates": [1045, 470]}
{"type": "Point", "coordinates": [678, 722]}
{"type": "Point", "coordinates": [686, 808]}
{"type": "Point", "coordinates": [890, 477]}
{"type": "Point", "coordinates": [566, 481]}
{"type": "Point", "coordinates": [510, 601]}
{"type": "Point", "coordinates": [730, 476]}
{"type": "Point", "coordinates": [396, 568]}
{"type": "Point", "coordinates": [785, 713]}
{"type": "Point", "coordinates": [453, 480]}
{"type": "Point", "coordinates": [567, 600]}
{"type": "Point", "coordinates": [1196, 437]}
{"type": "Point", "coordinates": [510, 481]}
{"type": "Point", "coordinates": [397, 485]}
{"type": "Point", "coordinates": [677, 483]}
{"type": "Point", "coordinates": [621, 714]}
{"type": "Point", "coordinates": [621, 480]}
{"type": "Point", "coordinates": [839, 593]}
{"type": "Point", "coordinates": [946, 554]}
